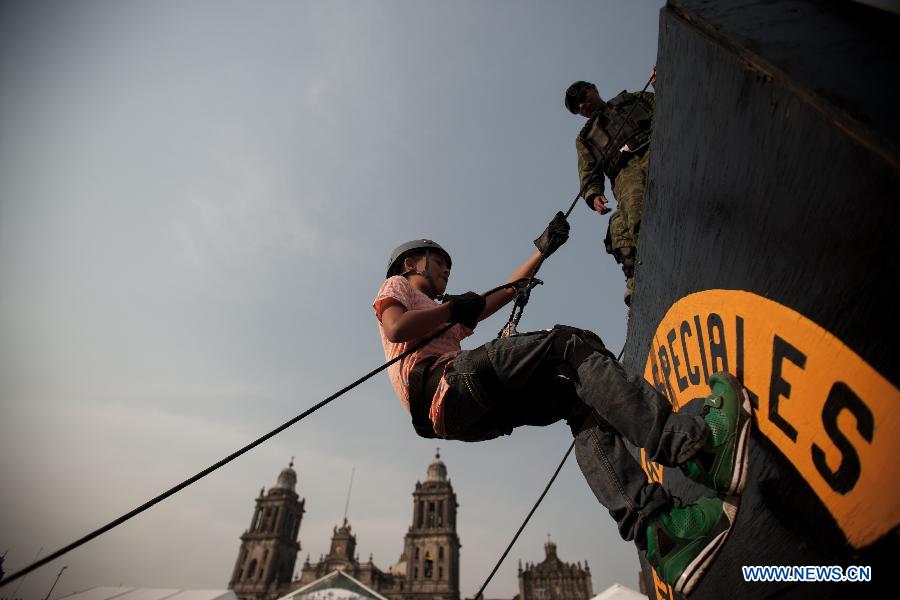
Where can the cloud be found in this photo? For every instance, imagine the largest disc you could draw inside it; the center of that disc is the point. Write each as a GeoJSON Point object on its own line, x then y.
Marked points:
{"type": "Point", "coordinates": [240, 216]}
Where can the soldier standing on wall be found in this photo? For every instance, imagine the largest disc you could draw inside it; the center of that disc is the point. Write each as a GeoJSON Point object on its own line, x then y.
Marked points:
{"type": "Point", "coordinates": [624, 160]}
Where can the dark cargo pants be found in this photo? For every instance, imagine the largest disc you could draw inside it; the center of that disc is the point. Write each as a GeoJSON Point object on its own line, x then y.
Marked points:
{"type": "Point", "coordinates": [565, 373]}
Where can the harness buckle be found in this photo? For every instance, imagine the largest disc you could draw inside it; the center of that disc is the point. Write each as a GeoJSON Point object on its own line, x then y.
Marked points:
{"type": "Point", "coordinates": [508, 330]}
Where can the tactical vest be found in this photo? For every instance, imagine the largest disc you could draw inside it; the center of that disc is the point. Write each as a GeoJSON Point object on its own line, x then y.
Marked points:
{"type": "Point", "coordinates": [632, 134]}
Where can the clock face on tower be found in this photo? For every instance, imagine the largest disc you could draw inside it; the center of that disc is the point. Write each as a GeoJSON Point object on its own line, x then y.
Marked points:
{"type": "Point", "coordinates": [339, 550]}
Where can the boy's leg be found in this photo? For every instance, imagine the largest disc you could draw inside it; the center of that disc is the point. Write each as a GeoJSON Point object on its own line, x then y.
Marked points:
{"type": "Point", "coordinates": [638, 411]}
{"type": "Point", "coordinates": [628, 404]}
{"type": "Point", "coordinates": [473, 413]}
{"type": "Point", "coordinates": [618, 481]}
{"type": "Point", "coordinates": [711, 448]}
{"type": "Point", "coordinates": [476, 409]}
{"type": "Point", "coordinates": [681, 542]}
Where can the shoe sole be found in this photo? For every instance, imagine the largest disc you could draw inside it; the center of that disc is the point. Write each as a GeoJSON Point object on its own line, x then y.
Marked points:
{"type": "Point", "coordinates": [695, 571]}
{"type": "Point", "coordinates": [742, 449]}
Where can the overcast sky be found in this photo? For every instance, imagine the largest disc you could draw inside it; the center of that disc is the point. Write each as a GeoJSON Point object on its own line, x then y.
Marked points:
{"type": "Point", "coordinates": [197, 203]}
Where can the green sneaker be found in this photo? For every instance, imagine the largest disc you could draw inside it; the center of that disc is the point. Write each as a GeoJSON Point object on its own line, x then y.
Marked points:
{"type": "Point", "coordinates": [722, 463]}
{"type": "Point", "coordinates": [682, 542]}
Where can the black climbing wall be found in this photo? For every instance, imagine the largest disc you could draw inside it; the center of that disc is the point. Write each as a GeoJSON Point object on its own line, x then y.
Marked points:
{"type": "Point", "coordinates": [769, 247]}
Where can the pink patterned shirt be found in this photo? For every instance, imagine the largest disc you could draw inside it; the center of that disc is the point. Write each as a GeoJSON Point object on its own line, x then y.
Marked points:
{"type": "Point", "coordinates": [445, 347]}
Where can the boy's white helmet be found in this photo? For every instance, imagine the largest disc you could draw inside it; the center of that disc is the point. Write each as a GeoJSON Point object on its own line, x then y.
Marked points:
{"type": "Point", "coordinates": [412, 247]}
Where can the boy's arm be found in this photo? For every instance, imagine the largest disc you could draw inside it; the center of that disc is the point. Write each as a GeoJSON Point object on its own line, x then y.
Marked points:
{"type": "Point", "coordinates": [401, 325]}
{"type": "Point", "coordinates": [554, 236]}
{"type": "Point", "coordinates": [499, 299]}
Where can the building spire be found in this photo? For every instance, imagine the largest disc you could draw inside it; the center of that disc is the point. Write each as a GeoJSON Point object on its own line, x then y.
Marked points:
{"type": "Point", "coordinates": [350, 489]}
{"type": "Point", "coordinates": [550, 548]}
{"type": "Point", "coordinates": [291, 464]}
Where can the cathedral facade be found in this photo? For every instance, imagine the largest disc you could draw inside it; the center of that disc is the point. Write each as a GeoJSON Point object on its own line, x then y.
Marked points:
{"type": "Point", "coordinates": [428, 567]}
{"type": "Point", "coordinates": [553, 579]}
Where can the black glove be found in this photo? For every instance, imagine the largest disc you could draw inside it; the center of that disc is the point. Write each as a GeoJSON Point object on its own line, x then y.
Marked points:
{"type": "Point", "coordinates": [554, 236]}
{"type": "Point", "coordinates": [465, 308]}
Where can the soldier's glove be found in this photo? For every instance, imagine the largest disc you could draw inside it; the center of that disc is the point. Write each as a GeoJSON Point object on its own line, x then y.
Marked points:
{"type": "Point", "coordinates": [554, 236]}
{"type": "Point", "coordinates": [465, 308]}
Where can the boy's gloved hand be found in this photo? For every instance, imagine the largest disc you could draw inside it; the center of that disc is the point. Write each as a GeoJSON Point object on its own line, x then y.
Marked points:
{"type": "Point", "coordinates": [554, 236]}
{"type": "Point", "coordinates": [465, 308]}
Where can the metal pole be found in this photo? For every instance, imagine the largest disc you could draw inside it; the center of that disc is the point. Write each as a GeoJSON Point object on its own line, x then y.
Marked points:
{"type": "Point", "coordinates": [58, 575]}
{"type": "Point", "coordinates": [21, 581]}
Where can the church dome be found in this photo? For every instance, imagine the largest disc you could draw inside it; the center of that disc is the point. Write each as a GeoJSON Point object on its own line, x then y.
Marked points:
{"type": "Point", "coordinates": [287, 479]}
{"type": "Point", "coordinates": [437, 470]}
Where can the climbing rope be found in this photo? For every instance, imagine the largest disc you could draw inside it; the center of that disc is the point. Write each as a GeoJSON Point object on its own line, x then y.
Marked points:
{"type": "Point", "coordinates": [478, 595]}
{"type": "Point", "coordinates": [175, 489]}
{"type": "Point", "coordinates": [606, 148]}
{"type": "Point", "coordinates": [523, 293]}
{"type": "Point", "coordinates": [537, 503]}
{"type": "Point", "coordinates": [523, 289]}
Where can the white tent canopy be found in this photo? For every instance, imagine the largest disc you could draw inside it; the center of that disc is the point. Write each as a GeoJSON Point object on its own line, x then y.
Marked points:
{"type": "Point", "coordinates": [127, 593]}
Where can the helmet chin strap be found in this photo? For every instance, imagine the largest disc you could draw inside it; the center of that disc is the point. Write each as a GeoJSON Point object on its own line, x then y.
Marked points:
{"type": "Point", "coordinates": [427, 277]}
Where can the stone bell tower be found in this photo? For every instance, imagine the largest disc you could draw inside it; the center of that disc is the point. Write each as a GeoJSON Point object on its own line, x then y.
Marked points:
{"type": "Point", "coordinates": [431, 545]}
{"type": "Point", "coordinates": [265, 561]}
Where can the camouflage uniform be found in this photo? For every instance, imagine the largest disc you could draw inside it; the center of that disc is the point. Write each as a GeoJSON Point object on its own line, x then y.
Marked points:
{"type": "Point", "coordinates": [625, 163]}
{"type": "Point", "coordinates": [628, 187]}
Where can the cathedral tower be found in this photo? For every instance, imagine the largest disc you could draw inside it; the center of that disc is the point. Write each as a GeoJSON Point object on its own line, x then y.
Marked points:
{"type": "Point", "coordinates": [342, 555]}
{"type": "Point", "coordinates": [431, 546]}
{"type": "Point", "coordinates": [553, 579]}
{"type": "Point", "coordinates": [265, 561]}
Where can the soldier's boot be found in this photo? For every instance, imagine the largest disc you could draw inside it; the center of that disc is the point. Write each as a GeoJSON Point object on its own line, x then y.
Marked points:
{"type": "Point", "coordinates": [722, 462]}
{"type": "Point", "coordinates": [682, 542]}
{"type": "Point", "coordinates": [627, 256]}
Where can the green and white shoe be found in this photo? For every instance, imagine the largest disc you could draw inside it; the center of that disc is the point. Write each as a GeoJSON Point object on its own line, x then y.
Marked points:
{"type": "Point", "coordinates": [682, 542]}
{"type": "Point", "coordinates": [722, 463]}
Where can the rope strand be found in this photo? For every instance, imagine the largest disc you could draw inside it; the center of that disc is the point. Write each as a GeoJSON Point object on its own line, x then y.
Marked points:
{"type": "Point", "coordinates": [533, 508]}
{"type": "Point", "coordinates": [525, 295]}
{"type": "Point", "coordinates": [514, 319]}
{"type": "Point", "coordinates": [606, 149]}
{"type": "Point", "coordinates": [177, 488]}
{"type": "Point", "coordinates": [478, 595]}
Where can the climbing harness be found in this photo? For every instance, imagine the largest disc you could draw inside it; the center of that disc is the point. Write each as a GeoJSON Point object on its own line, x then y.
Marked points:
{"type": "Point", "coordinates": [423, 382]}
{"type": "Point", "coordinates": [523, 294]}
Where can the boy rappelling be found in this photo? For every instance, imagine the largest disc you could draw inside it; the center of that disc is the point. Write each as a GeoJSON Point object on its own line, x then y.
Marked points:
{"type": "Point", "coordinates": [542, 377]}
